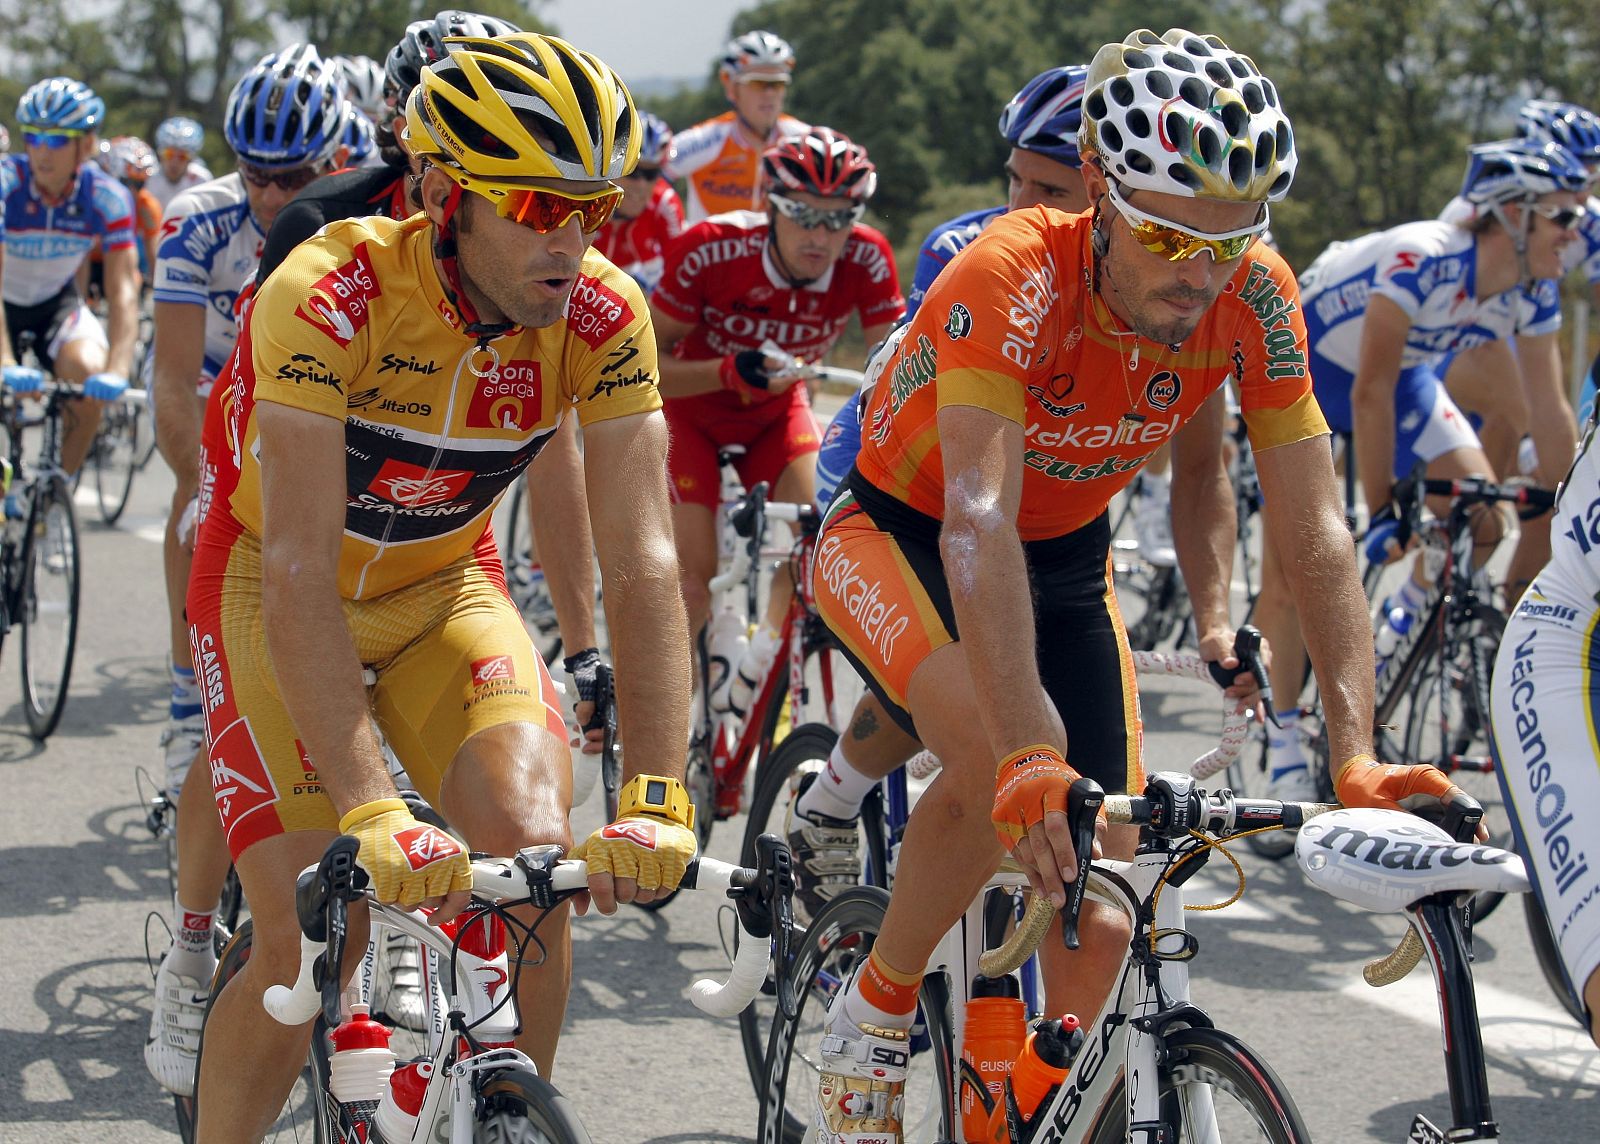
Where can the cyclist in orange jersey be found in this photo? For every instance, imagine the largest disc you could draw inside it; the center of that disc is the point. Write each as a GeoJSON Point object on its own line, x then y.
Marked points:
{"type": "Point", "coordinates": [963, 566]}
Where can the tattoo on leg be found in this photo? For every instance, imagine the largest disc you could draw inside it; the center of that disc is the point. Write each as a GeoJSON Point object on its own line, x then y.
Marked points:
{"type": "Point", "coordinates": [866, 726]}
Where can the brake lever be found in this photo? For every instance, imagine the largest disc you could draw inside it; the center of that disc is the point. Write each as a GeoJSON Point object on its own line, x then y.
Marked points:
{"type": "Point", "coordinates": [1247, 649]}
{"type": "Point", "coordinates": [1084, 799]}
{"type": "Point", "coordinates": [766, 909]}
{"type": "Point", "coordinates": [337, 881]}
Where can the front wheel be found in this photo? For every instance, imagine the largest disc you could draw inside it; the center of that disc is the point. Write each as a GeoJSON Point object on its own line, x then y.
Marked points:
{"type": "Point", "coordinates": [521, 1108]}
{"type": "Point", "coordinates": [1213, 1087]}
{"type": "Point", "coordinates": [47, 604]}
{"type": "Point", "coordinates": [116, 459]}
{"type": "Point", "coordinates": [837, 942]}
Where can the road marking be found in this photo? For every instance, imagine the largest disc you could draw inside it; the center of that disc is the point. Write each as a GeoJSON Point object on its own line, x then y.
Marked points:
{"type": "Point", "coordinates": [1529, 1033]}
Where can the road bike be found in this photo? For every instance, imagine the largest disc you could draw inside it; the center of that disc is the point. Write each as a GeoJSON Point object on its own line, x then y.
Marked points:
{"type": "Point", "coordinates": [119, 451]}
{"type": "Point", "coordinates": [475, 1086]}
{"type": "Point", "coordinates": [40, 563]}
{"type": "Point", "coordinates": [1155, 1067]}
{"type": "Point", "coordinates": [1389, 862]}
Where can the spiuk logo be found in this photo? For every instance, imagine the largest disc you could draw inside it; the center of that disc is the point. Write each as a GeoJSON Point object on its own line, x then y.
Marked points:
{"type": "Point", "coordinates": [415, 487]}
{"type": "Point", "coordinates": [492, 670]}
{"type": "Point", "coordinates": [423, 846]}
{"type": "Point", "coordinates": [339, 303]}
{"type": "Point", "coordinates": [641, 834]}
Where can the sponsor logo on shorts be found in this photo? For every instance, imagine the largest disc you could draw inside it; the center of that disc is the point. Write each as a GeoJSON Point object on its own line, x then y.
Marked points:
{"type": "Point", "coordinates": [493, 677]}
{"type": "Point", "coordinates": [240, 781]}
{"type": "Point", "coordinates": [494, 667]}
{"type": "Point", "coordinates": [881, 623]}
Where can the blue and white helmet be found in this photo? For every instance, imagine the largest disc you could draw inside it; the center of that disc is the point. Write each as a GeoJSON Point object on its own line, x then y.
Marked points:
{"type": "Point", "coordinates": [655, 140]}
{"type": "Point", "coordinates": [1045, 115]}
{"type": "Point", "coordinates": [61, 104]}
{"type": "Point", "coordinates": [287, 111]}
{"type": "Point", "coordinates": [180, 133]}
{"type": "Point", "coordinates": [1517, 170]}
{"type": "Point", "coordinates": [358, 135]}
{"type": "Point", "coordinates": [1573, 127]}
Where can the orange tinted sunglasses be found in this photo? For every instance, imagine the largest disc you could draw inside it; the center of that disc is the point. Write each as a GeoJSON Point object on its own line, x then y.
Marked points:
{"type": "Point", "coordinates": [544, 210]}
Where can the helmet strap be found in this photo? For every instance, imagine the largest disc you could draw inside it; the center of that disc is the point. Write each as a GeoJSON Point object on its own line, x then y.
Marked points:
{"type": "Point", "coordinates": [1519, 236]}
{"type": "Point", "coordinates": [444, 249]}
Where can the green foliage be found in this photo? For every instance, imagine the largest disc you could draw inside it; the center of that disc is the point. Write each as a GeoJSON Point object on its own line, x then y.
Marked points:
{"type": "Point", "coordinates": [158, 58]}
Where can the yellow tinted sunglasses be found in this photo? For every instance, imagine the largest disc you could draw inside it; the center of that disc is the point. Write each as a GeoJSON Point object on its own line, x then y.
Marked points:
{"type": "Point", "coordinates": [1176, 243]}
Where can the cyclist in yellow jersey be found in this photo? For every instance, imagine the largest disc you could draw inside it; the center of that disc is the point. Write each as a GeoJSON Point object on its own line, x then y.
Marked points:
{"type": "Point", "coordinates": [392, 380]}
{"type": "Point", "coordinates": [963, 562]}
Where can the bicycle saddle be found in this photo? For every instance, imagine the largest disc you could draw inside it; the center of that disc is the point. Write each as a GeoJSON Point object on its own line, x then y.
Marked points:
{"type": "Point", "coordinates": [1384, 860]}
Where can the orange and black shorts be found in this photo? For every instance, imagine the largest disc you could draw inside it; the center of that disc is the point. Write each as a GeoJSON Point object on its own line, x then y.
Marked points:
{"type": "Point", "coordinates": [450, 653]}
{"type": "Point", "coordinates": [881, 589]}
{"type": "Point", "coordinates": [774, 433]}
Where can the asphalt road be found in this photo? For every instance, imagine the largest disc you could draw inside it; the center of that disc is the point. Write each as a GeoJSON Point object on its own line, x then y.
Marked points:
{"type": "Point", "coordinates": [80, 875]}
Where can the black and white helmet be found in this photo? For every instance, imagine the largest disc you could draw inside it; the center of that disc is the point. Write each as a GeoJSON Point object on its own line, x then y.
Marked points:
{"type": "Point", "coordinates": [423, 44]}
{"type": "Point", "coordinates": [758, 55]}
{"type": "Point", "coordinates": [363, 83]}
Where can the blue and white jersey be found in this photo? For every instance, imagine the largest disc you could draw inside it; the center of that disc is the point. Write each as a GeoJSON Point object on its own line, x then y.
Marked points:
{"type": "Point", "coordinates": [46, 242]}
{"type": "Point", "coordinates": [209, 246]}
{"type": "Point", "coordinates": [943, 243]}
{"type": "Point", "coordinates": [1429, 270]}
{"type": "Point", "coordinates": [1585, 253]}
{"type": "Point", "coordinates": [1575, 533]}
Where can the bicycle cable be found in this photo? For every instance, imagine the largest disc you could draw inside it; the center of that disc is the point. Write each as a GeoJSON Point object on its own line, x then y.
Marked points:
{"type": "Point", "coordinates": [1205, 843]}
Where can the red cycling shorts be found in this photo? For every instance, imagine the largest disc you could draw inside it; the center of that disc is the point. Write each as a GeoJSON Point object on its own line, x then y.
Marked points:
{"type": "Point", "coordinates": [773, 433]}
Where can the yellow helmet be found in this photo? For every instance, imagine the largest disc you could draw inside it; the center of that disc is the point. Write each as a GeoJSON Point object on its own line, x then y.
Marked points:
{"type": "Point", "coordinates": [1186, 115]}
{"type": "Point", "coordinates": [496, 113]}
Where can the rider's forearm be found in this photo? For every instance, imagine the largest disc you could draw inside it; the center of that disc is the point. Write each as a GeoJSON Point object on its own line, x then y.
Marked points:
{"type": "Point", "coordinates": [1372, 412]}
{"type": "Point", "coordinates": [993, 601]}
{"type": "Point", "coordinates": [1205, 527]}
{"type": "Point", "coordinates": [319, 678]}
{"type": "Point", "coordinates": [1551, 422]}
{"type": "Point", "coordinates": [650, 648]}
{"type": "Point", "coordinates": [123, 303]}
{"type": "Point", "coordinates": [1319, 562]}
{"type": "Point", "coordinates": [179, 417]}
{"type": "Point", "coordinates": [559, 519]}
{"type": "Point", "coordinates": [681, 378]}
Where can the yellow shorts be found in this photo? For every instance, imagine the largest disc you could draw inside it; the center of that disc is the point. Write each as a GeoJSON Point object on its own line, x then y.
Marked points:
{"type": "Point", "coordinates": [450, 652]}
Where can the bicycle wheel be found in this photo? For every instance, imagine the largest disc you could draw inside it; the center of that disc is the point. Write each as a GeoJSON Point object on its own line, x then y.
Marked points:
{"type": "Point", "coordinates": [838, 940]}
{"type": "Point", "coordinates": [1213, 1087]}
{"type": "Point", "coordinates": [805, 751]}
{"type": "Point", "coordinates": [1248, 778]}
{"type": "Point", "coordinates": [48, 606]}
{"type": "Point", "coordinates": [1448, 724]}
{"type": "Point", "coordinates": [305, 1114]}
{"type": "Point", "coordinates": [1548, 955]}
{"type": "Point", "coordinates": [521, 1108]}
{"type": "Point", "coordinates": [116, 459]}
{"type": "Point", "coordinates": [530, 593]}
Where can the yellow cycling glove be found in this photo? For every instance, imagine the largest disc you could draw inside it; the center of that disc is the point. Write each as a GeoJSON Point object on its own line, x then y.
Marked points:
{"type": "Point", "coordinates": [408, 861]}
{"type": "Point", "coordinates": [652, 840]}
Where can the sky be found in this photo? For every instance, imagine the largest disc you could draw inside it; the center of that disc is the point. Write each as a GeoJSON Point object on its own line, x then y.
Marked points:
{"type": "Point", "coordinates": [648, 39]}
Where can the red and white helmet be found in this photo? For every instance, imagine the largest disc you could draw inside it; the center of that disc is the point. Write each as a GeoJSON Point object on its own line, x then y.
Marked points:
{"type": "Point", "coordinates": [820, 161]}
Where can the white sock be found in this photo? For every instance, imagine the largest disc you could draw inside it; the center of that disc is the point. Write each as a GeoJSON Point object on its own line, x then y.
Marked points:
{"type": "Point", "coordinates": [857, 1011]}
{"type": "Point", "coordinates": [1283, 745]}
{"type": "Point", "coordinates": [192, 953]}
{"type": "Point", "coordinates": [838, 789]}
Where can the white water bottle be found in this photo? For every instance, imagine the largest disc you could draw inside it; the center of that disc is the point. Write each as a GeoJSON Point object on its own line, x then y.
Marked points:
{"type": "Point", "coordinates": [751, 669]}
{"type": "Point", "coordinates": [358, 1071]}
{"type": "Point", "coordinates": [726, 640]}
{"type": "Point", "coordinates": [1396, 623]}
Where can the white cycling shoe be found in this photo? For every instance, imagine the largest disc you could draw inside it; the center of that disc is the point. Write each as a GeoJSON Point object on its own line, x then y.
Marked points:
{"type": "Point", "coordinates": [181, 741]}
{"type": "Point", "coordinates": [861, 1092]}
{"type": "Point", "coordinates": [173, 1048]}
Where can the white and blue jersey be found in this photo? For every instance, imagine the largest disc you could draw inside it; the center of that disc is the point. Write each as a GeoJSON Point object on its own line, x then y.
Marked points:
{"type": "Point", "coordinates": [1429, 270]}
{"type": "Point", "coordinates": [209, 246]}
{"type": "Point", "coordinates": [45, 242]}
{"type": "Point", "coordinates": [943, 243]}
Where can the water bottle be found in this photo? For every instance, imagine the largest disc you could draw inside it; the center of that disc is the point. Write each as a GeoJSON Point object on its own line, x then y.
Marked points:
{"type": "Point", "coordinates": [358, 1071]}
{"type": "Point", "coordinates": [481, 960]}
{"type": "Point", "coordinates": [726, 639]}
{"type": "Point", "coordinates": [1396, 624]}
{"type": "Point", "coordinates": [401, 1105]}
{"type": "Point", "coordinates": [759, 654]}
{"type": "Point", "coordinates": [1042, 1065]}
{"type": "Point", "coordinates": [994, 1036]}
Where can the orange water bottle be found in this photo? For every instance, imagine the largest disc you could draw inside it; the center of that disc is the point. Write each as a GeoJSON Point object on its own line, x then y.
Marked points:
{"type": "Point", "coordinates": [993, 1038]}
{"type": "Point", "coordinates": [1041, 1066]}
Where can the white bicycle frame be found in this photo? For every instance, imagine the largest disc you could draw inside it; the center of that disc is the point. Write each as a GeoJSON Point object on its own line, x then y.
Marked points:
{"type": "Point", "coordinates": [450, 1090]}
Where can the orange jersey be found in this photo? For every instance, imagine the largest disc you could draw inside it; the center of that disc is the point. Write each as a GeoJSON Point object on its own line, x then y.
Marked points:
{"type": "Point", "coordinates": [1014, 326]}
{"type": "Point", "coordinates": [723, 171]}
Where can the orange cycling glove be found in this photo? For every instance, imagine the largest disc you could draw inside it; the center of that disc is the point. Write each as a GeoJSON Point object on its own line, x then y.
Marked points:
{"type": "Point", "coordinates": [1030, 783]}
{"type": "Point", "coordinates": [1363, 781]}
{"type": "Point", "coordinates": [408, 861]}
